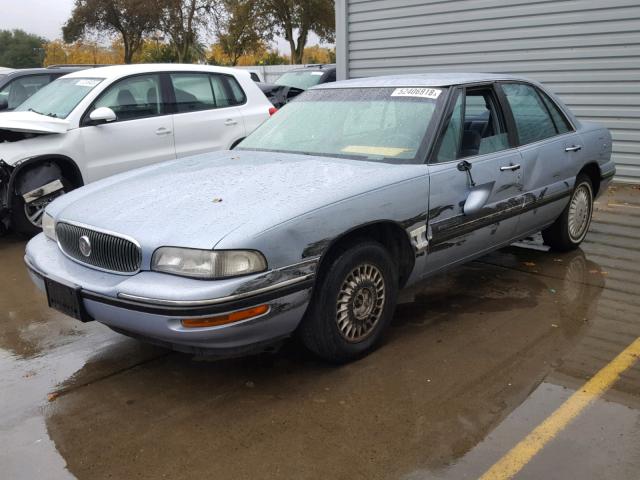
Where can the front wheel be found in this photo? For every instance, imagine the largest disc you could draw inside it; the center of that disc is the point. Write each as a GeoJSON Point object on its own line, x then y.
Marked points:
{"type": "Point", "coordinates": [352, 305]}
{"type": "Point", "coordinates": [570, 228]}
{"type": "Point", "coordinates": [26, 218]}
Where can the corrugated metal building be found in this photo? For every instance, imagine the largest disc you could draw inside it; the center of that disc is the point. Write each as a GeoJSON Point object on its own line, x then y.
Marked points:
{"type": "Point", "coordinates": [587, 51]}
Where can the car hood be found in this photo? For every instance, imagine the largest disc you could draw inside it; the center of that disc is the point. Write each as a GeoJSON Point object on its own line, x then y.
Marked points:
{"type": "Point", "coordinates": [196, 201]}
{"type": "Point", "coordinates": [31, 122]}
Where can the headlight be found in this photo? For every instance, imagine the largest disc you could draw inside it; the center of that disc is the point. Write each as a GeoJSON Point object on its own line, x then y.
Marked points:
{"type": "Point", "coordinates": [207, 263]}
{"type": "Point", "coordinates": [49, 227]}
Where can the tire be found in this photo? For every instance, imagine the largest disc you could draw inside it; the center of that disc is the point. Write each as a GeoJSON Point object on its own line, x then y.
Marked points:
{"type": "Point", "coordinates": [570, 228]}
{"type": "Point", "coordinates": [343, 324]}
{"type": "Point", "coordinates": [22, 215]}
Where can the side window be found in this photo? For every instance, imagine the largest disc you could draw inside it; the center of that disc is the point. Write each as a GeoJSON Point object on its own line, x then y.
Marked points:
{"type": "Point", "coordinates": [529, 112]}
{"type": "Point", "coordinates": [484, 129]}
{"type": "Point", "coordinates": [237, 93]}
{"type": "Point", "coordinates": [559, 119]}
{"type": "Point", "coordinates": [193, 92]}
{"type": "Point", "coordinates": [227, 91]}
{"type": "Point", "coordinates": [133, 98]}
{"type": "Point", "coordinates": [22, 88]}
{"type": "Point", "coordinates": [476, 127]}
{"type": "Point", "coordinates": [450, 143]}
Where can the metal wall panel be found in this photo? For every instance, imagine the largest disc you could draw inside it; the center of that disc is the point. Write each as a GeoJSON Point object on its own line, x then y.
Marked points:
{"type": "Point", "coordinates": [586, 51]}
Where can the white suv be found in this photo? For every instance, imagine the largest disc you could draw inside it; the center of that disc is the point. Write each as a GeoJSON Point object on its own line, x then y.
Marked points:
{"type": "Point", "coordinates": [95, 123]}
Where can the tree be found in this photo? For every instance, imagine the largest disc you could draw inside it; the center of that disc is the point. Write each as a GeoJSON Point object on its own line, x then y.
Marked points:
{"type": "Point", "coordinates": [294, 19]}
{"type": "Point", "coordinates": [80, 52]}
{"type": "Point", "coordinates": [131, 19]}
{"type": "Point", "coordinates": [318, 54]}
{"type": "Point", "coordinates": [19, 49]}
{"type": "Point", "coordinates": [181, 21]}
{"type": "Point", "coordinates": [240, 28]}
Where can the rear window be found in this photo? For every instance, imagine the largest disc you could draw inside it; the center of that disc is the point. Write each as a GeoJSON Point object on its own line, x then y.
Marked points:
{"type": "Point", "coordinates": [303, 79]}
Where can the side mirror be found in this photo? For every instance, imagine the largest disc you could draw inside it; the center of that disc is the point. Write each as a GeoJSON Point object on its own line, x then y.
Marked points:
{"type": "Point", "coordinates": [4, 103]}
{"type": "Point", "coordinates": [102, 115]}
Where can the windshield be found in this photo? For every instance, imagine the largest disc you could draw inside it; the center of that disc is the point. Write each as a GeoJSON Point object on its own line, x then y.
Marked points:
{"type": "Point", "coordinates": [300, 79]}
{"type": "Point", "coordinates": [60, 97]}
{"type": "Point", "coordinates": [358, 123]}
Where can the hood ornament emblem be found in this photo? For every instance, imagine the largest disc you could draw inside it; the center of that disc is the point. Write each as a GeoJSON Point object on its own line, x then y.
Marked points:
{"type": "Point", "coordinates": [85, 245]}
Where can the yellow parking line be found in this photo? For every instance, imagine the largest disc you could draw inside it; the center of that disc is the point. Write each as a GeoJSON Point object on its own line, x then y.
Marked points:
{"type": "Point", "coordinates": [523, 452]}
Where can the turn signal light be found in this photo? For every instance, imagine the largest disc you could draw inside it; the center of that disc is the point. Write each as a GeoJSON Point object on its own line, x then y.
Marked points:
{"type": "Point", "coordinates": [225, 319]}
{"type": "Point", "coordinates": [272, 111]}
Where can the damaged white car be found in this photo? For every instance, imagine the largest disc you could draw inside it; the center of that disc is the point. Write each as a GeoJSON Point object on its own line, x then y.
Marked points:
{"type": "Point", "coordinates": [92, 124]}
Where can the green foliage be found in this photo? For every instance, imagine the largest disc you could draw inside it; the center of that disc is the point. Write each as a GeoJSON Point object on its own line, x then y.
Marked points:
{"type": "Point", "coordinates": [294, 19]}
{"type": "Point", "coordinates": [131, 19]}
{"type": "Point", "coordinates": [19, 49]}
{"type": "Point", "coordinates": [272, 57]}
{"type": "Point", "coordinates": [240, 28]}
{"type": "Point", "coordinates": [182, 21]}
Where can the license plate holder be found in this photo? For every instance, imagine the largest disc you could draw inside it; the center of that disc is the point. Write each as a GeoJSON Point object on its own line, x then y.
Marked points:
{"type": "Point", "coordinates": [66, 300]}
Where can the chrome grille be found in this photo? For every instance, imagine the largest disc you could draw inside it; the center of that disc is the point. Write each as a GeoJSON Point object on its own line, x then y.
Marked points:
{"type": "Point", "coordinates": [107, 252]}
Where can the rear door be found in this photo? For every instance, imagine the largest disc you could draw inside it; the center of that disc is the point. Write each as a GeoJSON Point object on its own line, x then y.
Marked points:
{"type": "Point", "coordinates": [475, 180]}
{"type": "Point", "coordinates": [550, 149]}
{"type": "Point", "coordinates": [206, 116]}
{"type": "Point", "coordinates": [142, 133]}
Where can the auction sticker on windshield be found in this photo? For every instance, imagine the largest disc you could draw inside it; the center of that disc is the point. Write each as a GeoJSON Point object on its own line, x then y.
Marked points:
{"type": "Point", "coordinates": [85, 82]}
{"type": "Point", "coordinates": [432, 93]}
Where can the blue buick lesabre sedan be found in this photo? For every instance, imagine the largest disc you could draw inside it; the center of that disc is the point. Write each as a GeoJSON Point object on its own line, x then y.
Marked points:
{"type": "Point", "coordinates": [312, 225]}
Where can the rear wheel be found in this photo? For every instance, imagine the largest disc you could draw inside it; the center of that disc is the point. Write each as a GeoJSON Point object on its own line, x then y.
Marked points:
{"type": "Point", "coordinates": [26, 218]}
{"type": "Point", "coordinates": [353, 304]}
{"type": "Point", "coordinates": [570, 228]}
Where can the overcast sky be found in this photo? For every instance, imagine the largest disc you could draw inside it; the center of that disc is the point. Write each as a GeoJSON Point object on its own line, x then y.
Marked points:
{"type": "Point", "coordinates": [46, 17]}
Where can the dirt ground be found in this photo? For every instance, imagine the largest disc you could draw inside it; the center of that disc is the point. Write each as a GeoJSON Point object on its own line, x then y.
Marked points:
{"type": "Point", "coordinates": [477, 358]}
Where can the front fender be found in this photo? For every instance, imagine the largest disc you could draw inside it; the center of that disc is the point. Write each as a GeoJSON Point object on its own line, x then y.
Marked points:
{"type": "Point", "coordinates": [309, 235]}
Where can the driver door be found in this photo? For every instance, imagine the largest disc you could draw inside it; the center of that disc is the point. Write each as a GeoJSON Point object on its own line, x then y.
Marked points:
{"type": "Point", "coordinates": [475, 180]}
{"type": "Point", "coordinates": [141, 134]}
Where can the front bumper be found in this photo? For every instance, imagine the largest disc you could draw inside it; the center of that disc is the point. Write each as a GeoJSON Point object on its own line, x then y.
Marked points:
{"type": "Point", "coordinates": [124, 303]}
{"type": "Point", "coordinates": [5, 178]}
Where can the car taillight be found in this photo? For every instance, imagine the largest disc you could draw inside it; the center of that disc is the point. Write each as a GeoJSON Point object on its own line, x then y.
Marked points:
{"type": "Point", "coordinates": [272, 110]}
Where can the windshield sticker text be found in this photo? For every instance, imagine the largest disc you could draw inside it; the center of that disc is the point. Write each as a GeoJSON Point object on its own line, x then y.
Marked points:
{"type": "Point", "coordinates": [432, 93]}
{"type": "Point", "coordinates": [87, 83]}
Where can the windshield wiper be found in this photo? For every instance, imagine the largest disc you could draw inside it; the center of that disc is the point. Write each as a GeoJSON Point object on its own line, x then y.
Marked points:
{"type": "Point", "coordinates": [53, 115]}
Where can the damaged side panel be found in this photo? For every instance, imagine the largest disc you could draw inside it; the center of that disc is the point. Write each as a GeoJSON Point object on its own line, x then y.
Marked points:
{"type": "Point", "coordinates": [308, 236]}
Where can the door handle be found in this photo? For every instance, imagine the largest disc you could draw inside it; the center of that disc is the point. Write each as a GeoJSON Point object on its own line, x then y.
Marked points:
{"type": "Point", "coordinates": [508, 168]}
{"type": "Point", "coordinates": [230, 122]}
{"type": "Point", "coordinates": [163, 131]}
{"type": "Point", "coordinates": [573, 148]}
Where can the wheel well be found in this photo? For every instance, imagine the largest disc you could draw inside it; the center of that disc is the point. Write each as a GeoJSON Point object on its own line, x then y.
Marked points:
{"type": "Point", "coordinates": [393, 237]}
{"type": "Point", "coordinates": [68, 168]}
{"type": "Point", "coordinates": [593, 172]}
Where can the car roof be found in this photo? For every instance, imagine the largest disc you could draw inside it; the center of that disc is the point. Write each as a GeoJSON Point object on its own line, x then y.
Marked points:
{"type": "Point", "coordinates": [421, 80]}
{"type": "Point", "coordinates": [314, 68]}
{"type": "Point", "coordinates": [19, 72]}
{"type": "Point", "coordinates": [117, 71]}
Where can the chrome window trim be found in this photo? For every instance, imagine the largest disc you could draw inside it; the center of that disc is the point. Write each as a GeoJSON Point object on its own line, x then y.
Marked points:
{"type": "Point", "coordinates": [106, 232]}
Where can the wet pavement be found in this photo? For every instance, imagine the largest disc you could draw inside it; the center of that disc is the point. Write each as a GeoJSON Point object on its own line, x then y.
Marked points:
{"type": "Point", "coordinates": [476, 359]}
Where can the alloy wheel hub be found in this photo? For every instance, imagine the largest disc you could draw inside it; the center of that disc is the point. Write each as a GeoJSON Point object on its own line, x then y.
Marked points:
{"type": "Point", "coordinates": [360, 302]}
